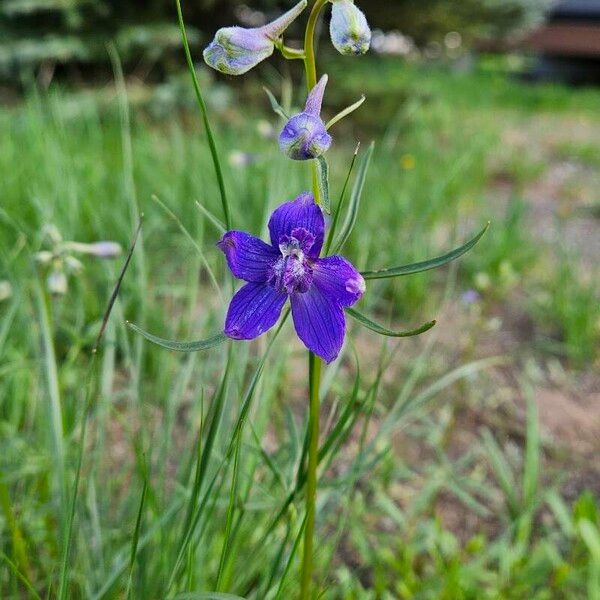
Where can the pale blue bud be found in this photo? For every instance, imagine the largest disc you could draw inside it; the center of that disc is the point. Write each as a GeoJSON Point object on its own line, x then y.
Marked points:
{"type": "Point", "coordinates": [99, 249]}
{"type": "Point", "coordinates": [236, 50]}
{"type": "Point", "coordinates": [305, 136]}
{"type": "Point", "coordinates": [349, 30]}
{"type": "Point", "coordinates": [57, 282]}
{"type": "Point", "coordinates": [5, 290]}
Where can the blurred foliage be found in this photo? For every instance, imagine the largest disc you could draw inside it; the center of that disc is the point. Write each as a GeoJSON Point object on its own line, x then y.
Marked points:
{"type": "Point", "coordinates": [46, 34]}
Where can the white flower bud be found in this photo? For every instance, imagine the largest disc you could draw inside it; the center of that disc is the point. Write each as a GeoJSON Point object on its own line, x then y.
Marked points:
{"type": "Point", "coordinates": [57, 282]}
{"type": "Point", "coordinates": [349, 30]}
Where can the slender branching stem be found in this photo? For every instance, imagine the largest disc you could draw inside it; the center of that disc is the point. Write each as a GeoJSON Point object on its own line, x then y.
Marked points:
{"type": "Point", "coordinates": [310, 63]}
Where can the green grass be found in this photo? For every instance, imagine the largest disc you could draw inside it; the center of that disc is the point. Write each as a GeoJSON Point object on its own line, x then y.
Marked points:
{"type": "Point", "coordinates": [191, 479]}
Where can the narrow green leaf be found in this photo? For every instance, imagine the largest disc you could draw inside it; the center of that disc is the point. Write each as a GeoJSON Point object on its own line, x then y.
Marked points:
{"type": "Point", "coordinates": [13, 567]}
{"type": "Point", "coordinates": [323, 180]}
{"type": "Point", "coordinates": [502, 471]}
{"type": "Point", "coordinates": [425, 265]}
{"type": "Point", "coordinates": [205, 454]}
{"type": "Point", "coordinates": [210, 342]}
{"type": "Point", "coordinates": [217, 224]}
{"type": "Point", "coordinates": [136, 537]}
{"type": "Point", "coordinates": [207, 596]}
{"type": "Point", "coordinates": [344, 113]}
{"type": "Point", "coordinates": [591, 537]}
{"type": "Point", "coordinates": [340, 204]}
{"type": "Point", "coordinates": [290, 559]}
{"type": "Point", "coordinates": [383, 330]}
{"type": "Point", "coordinates": [237, 430]}
{"type": "Point", "coordinates": [531, 465]}
{"type": "Point", "coordinates": [230, 511]}
{"type": "Point", "coordinates": [192, 241]}
{"type": "Point", "coordinates": [353, 406]}
{"type": "Point", "coordinates": [355, 196]}
{"type": "Point", "coordinates": [276, 107]}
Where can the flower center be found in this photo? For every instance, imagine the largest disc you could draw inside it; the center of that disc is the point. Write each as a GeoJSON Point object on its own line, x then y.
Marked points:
{"type": "Point", "coordinates": [293, 272]}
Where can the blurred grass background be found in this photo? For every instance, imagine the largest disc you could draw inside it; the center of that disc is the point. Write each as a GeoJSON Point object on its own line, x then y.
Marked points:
{"type": "Point", "coordinates": [460, 464]}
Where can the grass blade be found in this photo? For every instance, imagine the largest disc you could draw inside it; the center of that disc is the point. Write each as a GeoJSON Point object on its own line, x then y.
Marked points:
{"type": "Point", "coordinates": [502, 471]}
{"type": "Point", "coordinates": [230, 513]}
{"type": "Point", "coordinates": [277, 108]}
{"type": "Point", "coordinates": [62, 588]}
{"type": "Point", "coordinates": [426, 265]}
{"type": "Point", "coordinates": [20, 576]}
{"type": "Point", "coordinates": [204, 113]}
{"type": "Point", "coordinates": [338, 210]}
{"type": "Point", "coordinates": [215, 222]}
{"type": "Point", "coordinates": [190, 238]}
{"type": "Point", "coordinates": [136, 536]}
{"type": "Point", "coordinates": [55, 416]}
{"type": "Point", "coordinates": [531, 467]}
{"type": "Point", "coordinates": [290, 559]}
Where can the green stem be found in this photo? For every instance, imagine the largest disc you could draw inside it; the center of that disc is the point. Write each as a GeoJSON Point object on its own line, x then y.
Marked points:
{"type": "Point", "coordinates": [314, 376]}
{"type": "Point", "coordinates": [310, 66]}
{"type": "Point", "coordinates": [310, 63]}
{"type": "Point", "coordinates": [314, 363]}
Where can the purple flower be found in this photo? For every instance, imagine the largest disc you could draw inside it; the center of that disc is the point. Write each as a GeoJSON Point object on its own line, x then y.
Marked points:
{"type": "Point", "coordinates": [318, 288]}
{"type": "Point", "coordinates": [471, 297]}
{"type": "Point", "coordinates": [305, 136]}
{"type": "Point", "coordinates": [349, 30]}
{"type": "Point", "coordinates": [236, 50]}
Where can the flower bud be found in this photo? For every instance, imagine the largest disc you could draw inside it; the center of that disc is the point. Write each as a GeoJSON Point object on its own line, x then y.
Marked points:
{"type": "Point", "coordinates": [57, 282]}
{"type": "Point", "coordinates": [98, 249]}
{"type": "Point", "coordinates": [236, 50]}
{"type": "Point", "coordinates": [349, 30]}
{"type": "Point", "coordinates": [73, 265]}
{"type": "Point", "coordinates": [5, 290]}
{"type": "Point", "coordinates": [44, 257]}
{"type": "Point", "coordinates": [305, 136]}
{"type": "Point", "coordinates": [51, 234]}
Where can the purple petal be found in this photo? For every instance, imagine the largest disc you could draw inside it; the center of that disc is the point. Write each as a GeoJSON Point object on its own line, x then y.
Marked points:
{"type": "Point", "coordinates": [337, 279]}
{"type": "Point", "coordinates": [275, 28]}
{"type": "Point", "coordinates": [253, 310]}
{"type": "Point", "coordinates": [236, 50]}
{"type": "Point", "coordinates": [320, 323]}
{"type": "Point", "coordinates": [301, 212]}
{"type": "Point", "coordinates": [315, 98]}
{"type": "Point", "coordinates": [248, 257]}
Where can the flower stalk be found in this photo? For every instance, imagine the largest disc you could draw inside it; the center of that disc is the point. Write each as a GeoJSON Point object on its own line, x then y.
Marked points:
{"type": "Point", "coordinates": [314, 362]}
{"type": "Point", "coordinates": [310, 67]}
{"type": "Point", "coordinates": [314, 378]}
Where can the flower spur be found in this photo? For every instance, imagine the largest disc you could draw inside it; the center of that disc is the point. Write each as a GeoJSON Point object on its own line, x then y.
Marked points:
{"type": "Point", "coordinates": [235, 50]}
{"type": "Point", "coordinates": [290, 267]}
